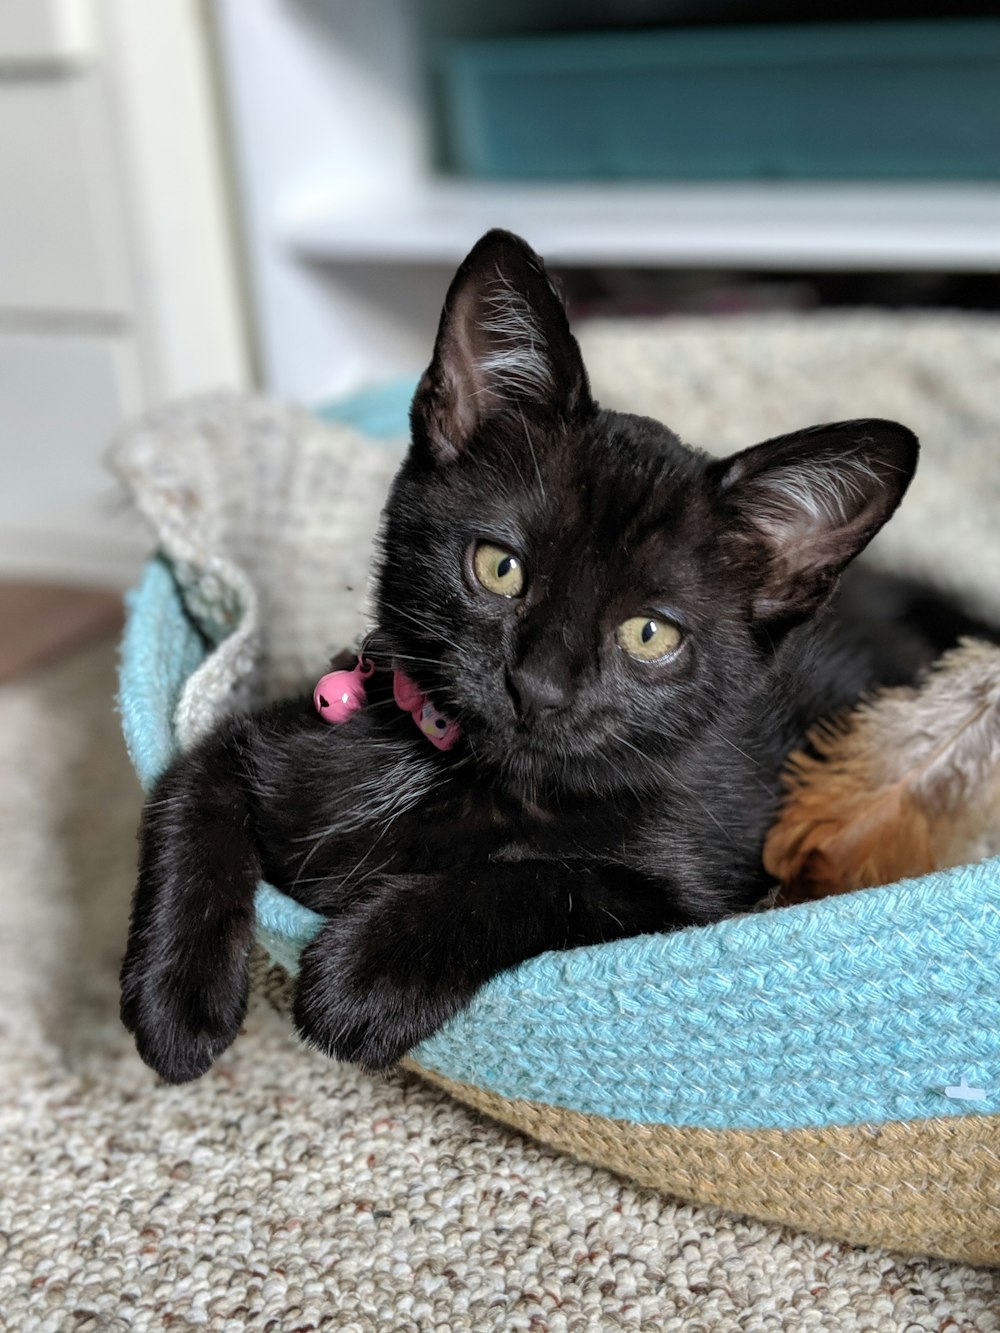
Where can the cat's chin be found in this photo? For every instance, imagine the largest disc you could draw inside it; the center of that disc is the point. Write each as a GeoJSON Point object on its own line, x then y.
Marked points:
{"type": "Point", "coordinates": [534, 764]}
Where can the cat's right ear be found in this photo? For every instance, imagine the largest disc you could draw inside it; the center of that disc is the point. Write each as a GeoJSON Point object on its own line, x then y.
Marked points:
{"type": "Point", "coordinates": [503, 344]}
{"type": "Point", "coordinates": [799, 508]}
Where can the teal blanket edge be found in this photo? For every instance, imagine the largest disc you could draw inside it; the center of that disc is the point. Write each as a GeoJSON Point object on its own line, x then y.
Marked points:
{"type": "Point", "coordinates": [860, 1009]}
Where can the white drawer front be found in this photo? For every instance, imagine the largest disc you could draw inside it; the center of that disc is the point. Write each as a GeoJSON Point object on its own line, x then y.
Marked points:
{"type": "Point", "coordinates": [61, 237]}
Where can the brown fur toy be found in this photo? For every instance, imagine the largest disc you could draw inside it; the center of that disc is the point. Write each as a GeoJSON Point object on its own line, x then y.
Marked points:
{"type": "Point", "coordinates": [906, 783]}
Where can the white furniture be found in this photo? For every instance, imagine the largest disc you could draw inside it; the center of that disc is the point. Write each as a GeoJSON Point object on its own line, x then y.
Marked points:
{"type": "Point", "coordinates": [118, 288]}
{"type": "Point", "coordinates": [351, 237]}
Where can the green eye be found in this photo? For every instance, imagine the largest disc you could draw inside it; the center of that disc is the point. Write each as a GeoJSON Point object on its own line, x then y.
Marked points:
{"type": "Point", "coordinates": [647, 639]}
{"type": "Point", "coordinates": [499, 571]}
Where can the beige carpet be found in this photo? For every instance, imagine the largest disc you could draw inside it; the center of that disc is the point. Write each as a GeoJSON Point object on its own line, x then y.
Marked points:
{"type": "Point", "coordinates": [285, 1193]}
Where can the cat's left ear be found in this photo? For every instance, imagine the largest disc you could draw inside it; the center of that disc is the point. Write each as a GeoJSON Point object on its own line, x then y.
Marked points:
{"type": "Point", "coordinates": [503, 343]}
{"type": "Point", "coordinates": [796, 510]}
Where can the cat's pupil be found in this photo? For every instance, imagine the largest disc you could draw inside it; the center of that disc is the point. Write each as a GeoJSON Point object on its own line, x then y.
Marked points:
{"type": "Point", "coordinates": [648, 630]}
{"type": "Point", "coordinates": [505, 566]}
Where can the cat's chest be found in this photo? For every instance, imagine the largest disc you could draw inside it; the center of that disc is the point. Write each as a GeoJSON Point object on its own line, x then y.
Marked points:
{"type": "Point", "coordinates": [467, 821]}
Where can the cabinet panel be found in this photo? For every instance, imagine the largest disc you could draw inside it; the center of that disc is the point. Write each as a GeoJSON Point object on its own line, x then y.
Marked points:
{"type": "Point", "coordinates": [61, 244]}
{"type": "Point", "coordinates": [46, 31]}
{"type": "Point", "coordinates": [61, 400]}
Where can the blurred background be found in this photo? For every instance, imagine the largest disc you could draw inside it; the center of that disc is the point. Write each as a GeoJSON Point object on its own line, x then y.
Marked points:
{"type": "Point", "coordinates": [231, 194]}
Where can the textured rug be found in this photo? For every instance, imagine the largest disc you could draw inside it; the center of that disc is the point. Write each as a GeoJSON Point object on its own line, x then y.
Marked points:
{"type": "Point", "coordinates": [285, 1193]}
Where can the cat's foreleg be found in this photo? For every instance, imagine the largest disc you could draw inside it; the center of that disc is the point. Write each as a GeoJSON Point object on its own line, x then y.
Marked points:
{"type": "Point", "coordinates": [389, 971]}
{"type": "Point", "coordinates": [185, 975]}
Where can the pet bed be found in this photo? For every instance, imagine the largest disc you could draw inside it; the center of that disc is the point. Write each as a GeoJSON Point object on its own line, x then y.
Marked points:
{"type": "Point", "coordinates": [834, 1065]}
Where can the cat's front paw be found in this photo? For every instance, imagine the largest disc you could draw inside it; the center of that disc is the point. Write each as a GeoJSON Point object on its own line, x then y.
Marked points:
{"type": "Point", "coordinates": [181, 1016]}
{"type": "Point", "coordinates": [348, 1023]}
{"type": "Point", "coordinates": [363, 995]}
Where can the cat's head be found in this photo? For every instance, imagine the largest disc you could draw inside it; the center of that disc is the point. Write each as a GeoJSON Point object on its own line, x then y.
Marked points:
{"type": "Point", "coordinates": [579, 589]}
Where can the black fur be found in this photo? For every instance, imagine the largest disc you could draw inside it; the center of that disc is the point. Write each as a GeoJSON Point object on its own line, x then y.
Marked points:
{"type": "Point", "coordinates": [591, 796]}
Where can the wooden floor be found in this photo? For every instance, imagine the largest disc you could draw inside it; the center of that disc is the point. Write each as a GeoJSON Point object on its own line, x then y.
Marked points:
{"type": "Point", "coordinates": [40, 622]}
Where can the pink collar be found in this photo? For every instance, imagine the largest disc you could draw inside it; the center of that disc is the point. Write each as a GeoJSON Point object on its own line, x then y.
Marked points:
{"type": "Point", "coordinates": [341, 693]}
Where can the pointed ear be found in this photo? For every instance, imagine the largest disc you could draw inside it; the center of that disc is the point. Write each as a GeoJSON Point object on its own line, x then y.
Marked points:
{"type": "Point", "coordinates": [503, 343]}
{"type": "Point", "coordinates": [799, 508]}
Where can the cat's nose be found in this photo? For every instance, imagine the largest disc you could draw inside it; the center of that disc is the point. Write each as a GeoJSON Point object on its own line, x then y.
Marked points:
{"type": "Point", "coordinates": [536, 694]}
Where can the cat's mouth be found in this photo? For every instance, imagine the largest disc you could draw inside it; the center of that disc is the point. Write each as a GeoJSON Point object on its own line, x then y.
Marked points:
{"type": "Point", "coordinates": [542, 750]}
{"type": "Point", "coordinates": [539, 748]}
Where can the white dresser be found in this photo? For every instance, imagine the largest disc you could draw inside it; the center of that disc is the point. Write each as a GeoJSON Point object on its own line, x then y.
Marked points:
{"type": "Point", "coordinates": [118, 278]}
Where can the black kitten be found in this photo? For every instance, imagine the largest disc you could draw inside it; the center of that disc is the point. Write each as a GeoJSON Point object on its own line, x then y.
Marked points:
{"type": "Point", "coordinates": [629, 636]}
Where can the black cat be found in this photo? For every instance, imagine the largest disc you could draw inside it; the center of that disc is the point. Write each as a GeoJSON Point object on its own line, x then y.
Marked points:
{"type": "Point", "coordinates": [628, 635]}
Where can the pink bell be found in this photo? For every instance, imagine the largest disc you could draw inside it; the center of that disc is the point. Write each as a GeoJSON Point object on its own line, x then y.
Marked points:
{"type": "Point", "coordinates": [341, 693]}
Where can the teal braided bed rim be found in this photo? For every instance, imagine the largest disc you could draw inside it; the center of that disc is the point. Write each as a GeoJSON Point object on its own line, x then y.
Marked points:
{"type": "Point", "coordinates": [874, 1007]}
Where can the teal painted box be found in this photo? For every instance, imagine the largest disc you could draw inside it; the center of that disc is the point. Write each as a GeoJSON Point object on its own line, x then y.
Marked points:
{"type": "Point", "coordinates": [833, 101]}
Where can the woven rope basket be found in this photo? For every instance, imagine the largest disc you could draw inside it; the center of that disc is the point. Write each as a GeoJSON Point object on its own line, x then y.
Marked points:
{"type": "Point", "coordinates": [834, 1066]}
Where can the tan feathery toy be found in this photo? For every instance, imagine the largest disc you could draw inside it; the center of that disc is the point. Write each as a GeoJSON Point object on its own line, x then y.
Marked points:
{"type": "Point", "coordinates": [906, 783]}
